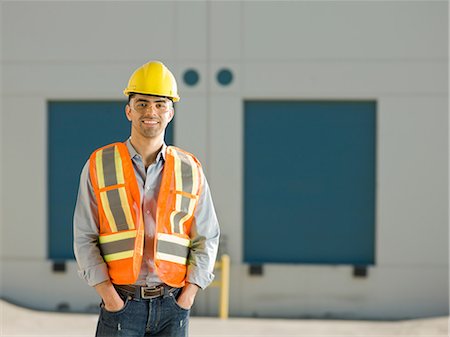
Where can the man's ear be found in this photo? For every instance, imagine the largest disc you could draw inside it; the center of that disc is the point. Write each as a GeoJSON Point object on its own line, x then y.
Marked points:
{"type": "Point", "coordinates": [128, 112]}
{"type": "Point", "coordinates": [172, 113]}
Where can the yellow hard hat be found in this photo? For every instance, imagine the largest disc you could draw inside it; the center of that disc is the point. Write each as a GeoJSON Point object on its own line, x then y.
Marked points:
{"type": "Point", "coordinates": [153, 78]}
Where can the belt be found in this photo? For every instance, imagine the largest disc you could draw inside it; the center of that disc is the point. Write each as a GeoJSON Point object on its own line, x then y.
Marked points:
{"type": "Point", "coordinates": [144, 293]}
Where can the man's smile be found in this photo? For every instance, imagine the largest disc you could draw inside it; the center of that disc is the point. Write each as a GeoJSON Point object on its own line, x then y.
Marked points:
{"type": "Point", "coordinates": [150, 122]}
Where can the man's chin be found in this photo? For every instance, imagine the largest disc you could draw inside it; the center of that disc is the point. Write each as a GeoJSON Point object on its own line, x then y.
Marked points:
{"type": "Point", "coordinates": [151, 135]}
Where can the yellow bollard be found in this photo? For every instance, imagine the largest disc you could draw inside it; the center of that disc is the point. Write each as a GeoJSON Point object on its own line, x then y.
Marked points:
{"type": "Point", "coordinates": [225, 289]}
{"type": "Point", "coordinates": [224, 284]}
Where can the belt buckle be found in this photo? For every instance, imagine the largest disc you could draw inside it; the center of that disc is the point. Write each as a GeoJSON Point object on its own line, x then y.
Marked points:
{"type": "Point", "coordinates": [149, 297]}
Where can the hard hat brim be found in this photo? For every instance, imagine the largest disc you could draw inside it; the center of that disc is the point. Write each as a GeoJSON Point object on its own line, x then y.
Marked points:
{"type": "Point", "coordinates": [128, 92]}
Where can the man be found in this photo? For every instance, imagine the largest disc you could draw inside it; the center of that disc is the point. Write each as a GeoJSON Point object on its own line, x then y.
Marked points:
{"type": "Point", "coordinates": [145, 229]}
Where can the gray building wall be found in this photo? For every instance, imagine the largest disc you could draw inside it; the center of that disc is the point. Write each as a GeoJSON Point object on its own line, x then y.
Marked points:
{"type": "Point", "coordinates": [393, 52]}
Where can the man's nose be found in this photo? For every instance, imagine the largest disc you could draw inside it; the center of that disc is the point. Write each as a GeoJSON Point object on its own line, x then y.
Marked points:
{"type": "Point", "coordinates": [152, 109]}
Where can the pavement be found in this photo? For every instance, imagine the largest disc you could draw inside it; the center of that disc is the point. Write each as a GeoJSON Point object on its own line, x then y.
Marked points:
{"type": "Point", "coordinates": [16, 321]}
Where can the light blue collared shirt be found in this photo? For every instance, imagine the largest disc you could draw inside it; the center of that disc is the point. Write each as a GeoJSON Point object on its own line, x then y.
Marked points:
{"type": "Point", "coordinates": [204, 231]}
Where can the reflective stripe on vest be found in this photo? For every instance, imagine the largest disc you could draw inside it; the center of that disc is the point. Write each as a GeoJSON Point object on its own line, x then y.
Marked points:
{"type": "Point", "coordinates": [174, 247]}
{"type": "Point", "coordinates": [117, 246]}
{"type": "Point", "coordinates": [111, 185]}
{"type": "Point", "coordinates": [186, 184]}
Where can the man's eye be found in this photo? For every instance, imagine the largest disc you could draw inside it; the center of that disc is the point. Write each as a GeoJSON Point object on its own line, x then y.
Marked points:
{"type": "Point", "coordinates": [142, 105]}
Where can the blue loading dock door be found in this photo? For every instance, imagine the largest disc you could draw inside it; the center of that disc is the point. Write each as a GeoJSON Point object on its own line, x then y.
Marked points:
{"type": "Point", "coordinates": [75, 130]}
{"type": "Point", "coordinates": [309, 191]}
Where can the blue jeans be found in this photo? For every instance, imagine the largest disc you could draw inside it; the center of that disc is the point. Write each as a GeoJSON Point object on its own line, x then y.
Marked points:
{"type": "Point", "coordinates": [160, 316]}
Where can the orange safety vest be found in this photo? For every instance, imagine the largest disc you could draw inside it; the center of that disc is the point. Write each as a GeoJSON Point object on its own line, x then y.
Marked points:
{"type": "Point", "coordinates": [121, 226]}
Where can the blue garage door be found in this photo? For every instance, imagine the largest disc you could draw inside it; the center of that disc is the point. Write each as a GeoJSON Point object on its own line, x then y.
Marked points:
{"type": "Point", "coordinates": [75, 129]}
{"type": "Point", "coordinates": [309, 186]}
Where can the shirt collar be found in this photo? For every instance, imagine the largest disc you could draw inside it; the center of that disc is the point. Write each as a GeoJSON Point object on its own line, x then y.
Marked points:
{"type": "Point", "coordinates": [133, 153]}
{"type": "Point", "coordinates": [162, 153]}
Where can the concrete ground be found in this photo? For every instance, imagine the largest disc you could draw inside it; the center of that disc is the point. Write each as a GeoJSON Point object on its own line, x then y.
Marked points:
{"type": "Point", "coordinates": [17, 321]}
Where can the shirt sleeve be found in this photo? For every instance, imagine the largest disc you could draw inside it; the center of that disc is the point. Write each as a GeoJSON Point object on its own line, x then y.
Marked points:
{"type": "Point", "coordinates": [205, 234]}
{"type": "Point", "coordinates": [91, 266]}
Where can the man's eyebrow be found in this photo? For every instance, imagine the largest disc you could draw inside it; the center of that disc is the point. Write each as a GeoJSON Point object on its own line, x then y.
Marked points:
{"type": "Point", "coordinates": [147, 100]}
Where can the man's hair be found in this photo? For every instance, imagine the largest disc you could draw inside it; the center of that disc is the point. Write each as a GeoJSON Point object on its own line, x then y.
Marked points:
{"type": "Point", "coordinates": [132, 94]}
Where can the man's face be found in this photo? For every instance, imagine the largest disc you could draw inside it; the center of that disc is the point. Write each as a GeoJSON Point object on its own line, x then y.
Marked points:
{"type": "Point", "coordinates": [149, 115]}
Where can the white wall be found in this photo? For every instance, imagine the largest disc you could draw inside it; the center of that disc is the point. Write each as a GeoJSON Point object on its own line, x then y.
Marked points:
{"type": "Point", "coordinates": [393, 52]}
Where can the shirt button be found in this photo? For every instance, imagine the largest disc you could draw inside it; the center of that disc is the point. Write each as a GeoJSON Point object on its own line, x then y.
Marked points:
{"type": "Point", "coordinates": [148, 212]}
{"type": "Point", "coordinates": [148, 188]}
